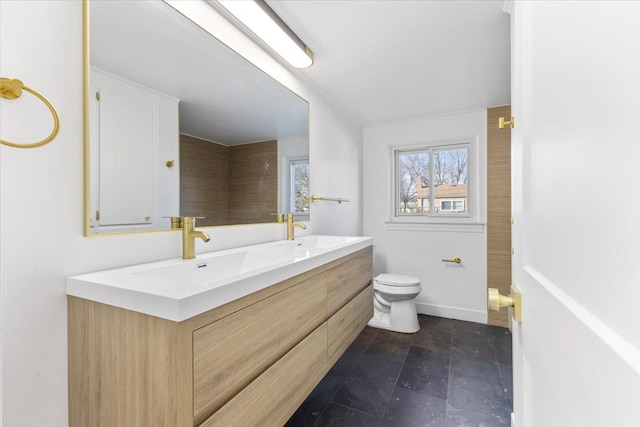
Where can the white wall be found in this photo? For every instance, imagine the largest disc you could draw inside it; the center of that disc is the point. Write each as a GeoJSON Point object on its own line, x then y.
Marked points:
{"type": "Point", "coordinates": [448, 290]}
{"type": "Point", "coordinates": [41, 202]}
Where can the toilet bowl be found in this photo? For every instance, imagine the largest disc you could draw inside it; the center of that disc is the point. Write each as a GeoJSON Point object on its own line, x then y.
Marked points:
{"type": "Point", "coordinates": [393, 306]}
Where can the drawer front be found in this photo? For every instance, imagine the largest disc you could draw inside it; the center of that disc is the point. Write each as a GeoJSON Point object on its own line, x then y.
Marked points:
{"type": "Point", "coordinates": [346, 324]}
{"type": "Point", "coordinates": [275, 395]}
{"type": "Point", "coordinates": [231, 352]}
{"type": "Point", "coordinates": [346, 280]}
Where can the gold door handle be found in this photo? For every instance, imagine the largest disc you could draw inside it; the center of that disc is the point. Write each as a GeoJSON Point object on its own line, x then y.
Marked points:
{"type": "Point", "coordinates": [495, 302]}
{"type": "Point", "coordinates": [456, 260]}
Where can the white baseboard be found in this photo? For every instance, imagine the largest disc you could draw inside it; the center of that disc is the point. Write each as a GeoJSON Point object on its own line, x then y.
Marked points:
{"type": "Point", "coordinates": [513, 420]}
{"type": "Point", "coordinates": [477, 316]}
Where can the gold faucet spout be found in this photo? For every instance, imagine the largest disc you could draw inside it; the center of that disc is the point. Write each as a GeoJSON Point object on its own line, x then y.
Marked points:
{"type": "Point", "coordinates": [189, 235]}
{"type": "Point", "coordinates": [201, 235]}
{"type": "Point", "coordinates": [292, 225]}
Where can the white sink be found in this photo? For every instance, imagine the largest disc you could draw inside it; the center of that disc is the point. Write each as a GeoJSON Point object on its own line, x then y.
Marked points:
{"type": "Point", "coordinates": [322, 242]}
{"type": "Point", "coordinates": [208, 271]}
{"type": "Point", "coordinates": [179, 289]}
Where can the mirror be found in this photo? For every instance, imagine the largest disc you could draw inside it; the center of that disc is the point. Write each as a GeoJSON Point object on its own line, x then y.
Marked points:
{"type": "Point", "coordinates": [178, 124]}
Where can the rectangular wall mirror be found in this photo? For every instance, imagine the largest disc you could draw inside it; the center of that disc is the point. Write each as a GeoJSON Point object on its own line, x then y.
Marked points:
{"type": "Point", "coordinates": [178, 124]}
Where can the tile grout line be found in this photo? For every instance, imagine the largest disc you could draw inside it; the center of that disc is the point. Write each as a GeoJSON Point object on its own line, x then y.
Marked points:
{"type": "Point", "coordinates": [395, 384]}
{"type": "Point", "coordinates": [446, 406]}
{"type": "Point", "coordinates": [498, 363]}
{"type": "Point", "coordinates": [345, 380]}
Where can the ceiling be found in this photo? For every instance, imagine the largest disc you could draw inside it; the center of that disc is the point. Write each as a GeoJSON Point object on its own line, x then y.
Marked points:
{"type": "Point", "coordinates": [223, 98]}
{"type": "Point", "coordinates": [384, 60]}
{"type": "Point", "coordinates": [379, 60]}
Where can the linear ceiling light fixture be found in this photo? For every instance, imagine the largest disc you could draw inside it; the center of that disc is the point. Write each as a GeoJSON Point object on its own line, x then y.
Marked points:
{"type": "Point", "coordinates": [257, 17]}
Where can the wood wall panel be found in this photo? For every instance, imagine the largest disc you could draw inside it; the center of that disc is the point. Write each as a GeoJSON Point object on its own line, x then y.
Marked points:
{"type": "Point", "coordinates": [204, 181]}
{"type": "Point", "coordinates": [498, 208]}
{"type": "Point", "coordinates": [253, 182]}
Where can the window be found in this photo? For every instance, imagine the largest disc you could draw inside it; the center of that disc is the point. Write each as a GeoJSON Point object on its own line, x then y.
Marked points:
{"type": "Point", "coordinates": [452, 205]}
{"type": "Point", "coordinates": [434, 182]}
{"type": "Point", "coordinates": [299, 179]}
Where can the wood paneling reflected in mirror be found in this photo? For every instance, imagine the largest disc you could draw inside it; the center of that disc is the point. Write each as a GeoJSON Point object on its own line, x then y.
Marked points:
{"type": "Point", "coordinates": [228, 185]}
{"type": "Point", "coordinates": [160, 89]}
{"type": "Point", "coordinates": [253, 182]}
{"type": "Point", "coordinates": [204, 180]}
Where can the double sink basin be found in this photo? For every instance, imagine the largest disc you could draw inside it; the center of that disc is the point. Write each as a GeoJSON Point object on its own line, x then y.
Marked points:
{"type": "Point", "coordinates": [179, 289]}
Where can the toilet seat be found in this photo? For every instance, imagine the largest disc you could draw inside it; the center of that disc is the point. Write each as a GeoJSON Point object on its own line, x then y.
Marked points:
{"type": "Point", "coordinates": [396, 280]}
{"type": "Point", "coordinates": [397, 290]}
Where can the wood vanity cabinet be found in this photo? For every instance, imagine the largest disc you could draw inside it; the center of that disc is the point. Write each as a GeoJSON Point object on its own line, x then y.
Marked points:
{"type": "Point", "coordinates": [250, 362]}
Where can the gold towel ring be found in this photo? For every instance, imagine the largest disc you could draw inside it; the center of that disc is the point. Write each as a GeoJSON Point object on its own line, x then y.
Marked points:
{"type": "Point", "coordinates": [12, 89]}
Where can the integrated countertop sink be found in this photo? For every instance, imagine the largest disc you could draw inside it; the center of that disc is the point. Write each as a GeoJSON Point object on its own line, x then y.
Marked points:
{"type": "Point", "coordinates": [179, 289]}
{"type": "Point", "coordinates": [320, 242]}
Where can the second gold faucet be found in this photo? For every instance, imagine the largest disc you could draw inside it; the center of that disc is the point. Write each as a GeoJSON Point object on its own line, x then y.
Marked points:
{"type": "Point", "coordinates": [189, 234]}
{"type": "Point", "coordinates": [291, 225]}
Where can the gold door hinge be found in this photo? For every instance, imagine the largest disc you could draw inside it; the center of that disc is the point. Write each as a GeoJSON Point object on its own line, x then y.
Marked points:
{"type": "Point", "coordinates": [502, 123]}
{"type": "Point", "coordinates": [97, 215]}
{"type": "Point", "coordinates": [98, 96]}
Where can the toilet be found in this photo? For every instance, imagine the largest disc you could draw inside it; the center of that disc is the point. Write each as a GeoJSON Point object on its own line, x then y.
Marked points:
{"type": "Point", "coordinates": [393, 306]}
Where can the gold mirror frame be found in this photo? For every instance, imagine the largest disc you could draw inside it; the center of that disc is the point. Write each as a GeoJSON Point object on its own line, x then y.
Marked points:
{"type": "Point", "coordinates": [87, 131]}
{"type": "Point", "coordinates": [86, 115]}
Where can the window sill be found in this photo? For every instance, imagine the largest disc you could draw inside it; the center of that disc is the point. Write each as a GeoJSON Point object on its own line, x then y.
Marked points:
{"type": "Point", "coordinates": [457, 227]}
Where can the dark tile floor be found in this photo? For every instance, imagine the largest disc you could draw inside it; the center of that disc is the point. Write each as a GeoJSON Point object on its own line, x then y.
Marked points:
{"type": "Point", "coordinates": [450, 373]}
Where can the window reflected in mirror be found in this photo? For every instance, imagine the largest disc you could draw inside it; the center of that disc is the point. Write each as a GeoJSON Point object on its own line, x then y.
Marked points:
{"type": "Point", "coordinates": [299, 176]}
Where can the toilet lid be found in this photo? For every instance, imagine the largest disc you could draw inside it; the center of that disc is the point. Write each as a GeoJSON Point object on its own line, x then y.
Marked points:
{"type": "Point", "coordinates": [396, 280]}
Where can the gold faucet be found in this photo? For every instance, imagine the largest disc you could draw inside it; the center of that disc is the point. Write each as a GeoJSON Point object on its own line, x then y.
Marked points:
{"type": "Point", "coordinates": [291, 225]}
{"type": "Point", "coordinates": [189, 234]}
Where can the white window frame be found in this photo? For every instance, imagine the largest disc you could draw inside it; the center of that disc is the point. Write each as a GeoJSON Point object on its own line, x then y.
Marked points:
{"type": "Point", "coordinates": [472, 221]}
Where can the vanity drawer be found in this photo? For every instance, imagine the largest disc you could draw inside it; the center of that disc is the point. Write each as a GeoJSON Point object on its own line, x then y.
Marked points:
{"type": "Point", "coordinates": [230, 353]}
{"type": "Point", "coordinates": [346, 324]}
{"type": "Point", "coordinates": [348, 279]}
{"type": "Point", "coordinates": [275, 395]}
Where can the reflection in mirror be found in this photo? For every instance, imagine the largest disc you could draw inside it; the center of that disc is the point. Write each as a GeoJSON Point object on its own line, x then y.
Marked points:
{"type": "Point", "coordinates": [180, 125]}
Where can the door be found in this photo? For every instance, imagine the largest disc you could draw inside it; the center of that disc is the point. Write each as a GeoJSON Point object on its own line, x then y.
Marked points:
{"type": "Point", "coordinates": [576, 206]}
{"type": "Point", "coordinates": [125, 178]}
